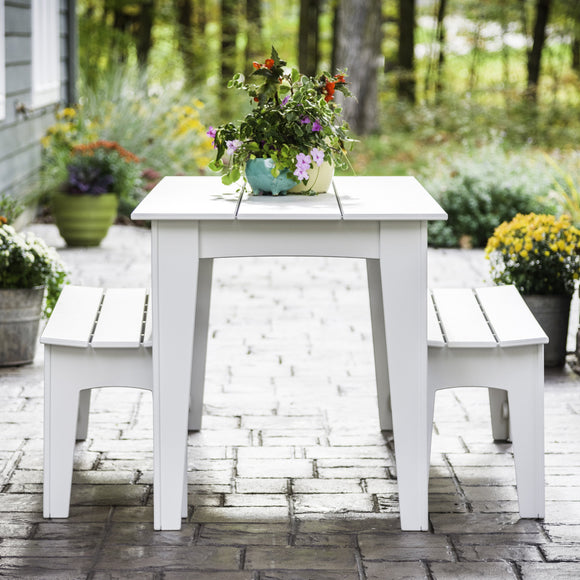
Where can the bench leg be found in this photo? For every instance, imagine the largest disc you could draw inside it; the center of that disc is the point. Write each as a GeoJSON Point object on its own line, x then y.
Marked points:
{"type": "Point", "coordinates": [200, 344]}
{"type": "Point", "coordinates": [526, 403]}
{"type": "Point", "coordinates": [379, 344]}
{"type": "Point", "coordinates": [499, 411]}
{"type": "Point", "coordinates": [60, 420]}
{"type": "Point", "coordinates": [83, 415]}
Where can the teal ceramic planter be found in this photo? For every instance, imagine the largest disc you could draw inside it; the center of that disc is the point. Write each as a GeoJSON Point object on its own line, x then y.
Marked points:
{"type": "Point", "coordinates": [261, 180]}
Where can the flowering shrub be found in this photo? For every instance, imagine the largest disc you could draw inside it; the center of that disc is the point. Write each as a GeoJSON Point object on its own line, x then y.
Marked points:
{"type": "Point", "coordinates": [294, 121]}
{"type": "Point", "coordinates": [26, 261]}
{"type": "Point", "coordinates": [102, 167]}
{"type": "Point", "coordinates": [539, 254]}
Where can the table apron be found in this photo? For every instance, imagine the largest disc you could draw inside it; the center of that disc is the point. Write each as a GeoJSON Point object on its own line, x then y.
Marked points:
{"type": "Point", "coordinates": [241, 238]}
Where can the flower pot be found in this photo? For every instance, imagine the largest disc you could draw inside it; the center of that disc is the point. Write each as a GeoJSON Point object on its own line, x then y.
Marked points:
{"type": "Point", "coordinates": [261, 180]}
{"type": "Point", "coordinates": [84, 220]}
{"type": "Point", "coordinates": [20, 311]}
{"type": "Point", "coordinates": [319, 180]}
{"type": "Point", "coordinates": [552, 313]}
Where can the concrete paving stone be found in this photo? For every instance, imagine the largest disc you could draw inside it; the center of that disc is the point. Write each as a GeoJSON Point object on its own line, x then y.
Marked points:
{"type": "Point", "coordinates": [348, 523]}
{"type": "Point", "coordinates": [206, 514]}
{"type": "Point", "coordinates": [562, 512]}
{"type": "Point", "coordinates": [15, 530]}
{"type": "Point", "coordinates": [309, 574]}
{"type": "Point", "coordinates": [502, 539]}
{"type": "Point", "coordinates": [207, 575]}
{"type": "Point", "coordinates": [490, 493]}
{"type": "Point", "coordinates": [142, 534]}
{"type": "Point", "coordinates": [499, 553]}
{"type": "Point", "coordinates": [483, 523]}
{"type": "Point", "coordinates": [276, 468]}
{"type": "Point", "coordinates": [247, 534]}
{"type": "Point", "coordinates": [20, 502]}
{"type": "Point", "coordinates": [333, 503]}
{"type": "Point", "coordinates": [257, 485]}
{"type": "Point", "coordinates": [563, 533]}
{"type": "Point", "coordinates": [495, 507]}
{"type": "Point", "coordinates": [327, 486]}
{"type": "Point", "coordinates": [123, 557]}
{"type": "Point", "coordinates": [472, 571]}
{"type": "Point", "coordinates": [396, 571]}
{"type": "Point", "coordinates": [344, 540]}
{"type": "Point", "coordinates": [438, 503]}
{"type": "Point", "coordinates": [325, 558]}
{"type": "Point", "coordinates": [561, 552]}
{"type": "Point", "coordinates": [255, 499]}
{"type": "Point", "coordinates": [352, 453]}
{"type": "Point", "coordinates": [124, 575]}
{"type": "Point", "coordinates": [97, 477]}
{"type": "Point", "coordinates": [51, 548]}
{"type": "Point", "coordinates": [277, 440]}
{"type": "Point", "coordinates": [352, 472]}
{"type": "Point", "coordinates": [62, 529]}
{"type": "Point", "coordinates": [560, 571]}
{"type": "Point", "coordinates": [105, 494]}
{"type": "Point", "coordinates": [290, 452]}
{"type": "Point", "coordinates": [485, 475]}
{"type": "Point", "coordinates": [36, 569]}
{"type": "Point", "coordinates": [381, 486]}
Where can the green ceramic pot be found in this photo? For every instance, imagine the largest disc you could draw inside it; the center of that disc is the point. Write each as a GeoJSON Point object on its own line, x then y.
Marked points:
{"type": "Point", "coordinates": [84, 220]}
{"type": "Point", "coordinates": [261, 180]}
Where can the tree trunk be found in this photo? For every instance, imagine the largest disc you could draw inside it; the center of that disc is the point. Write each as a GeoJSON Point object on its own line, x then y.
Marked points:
{"type": "Point", "coordinates": [143, 37]}
{"type": "Point", "coordinates": [191, 20]}
{"type": "Point", "coordinates": [441, 45]}
{"type": "Point", "coordinates": [254, 44]}
{"type": "Point", "coordinates": [535, 55]}
{"type": "Point", "coordinates": [576, 54]}
{"type": "Point", "coordinates": [406, 84]}
{"type": "Point", "coordinates": [358, 50]}
{"type": "Point", "coordinates": [308, 37]}
{"type": "Point", "coordinates": [229, 19]}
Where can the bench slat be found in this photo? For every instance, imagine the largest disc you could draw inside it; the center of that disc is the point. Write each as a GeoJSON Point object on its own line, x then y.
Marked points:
{"type": "Point", "coordinates": [73, 318]}
{"type": "Point", "coordinates": [434, 334]}
{"type": "Point", "coordinates": [510, 317]}
{"type": "Point", "coordinates": [148, 334]}
{"type": "Point", "coordinates": [121, 319]}
{"type": "Point", "coordinates": [463, 322]}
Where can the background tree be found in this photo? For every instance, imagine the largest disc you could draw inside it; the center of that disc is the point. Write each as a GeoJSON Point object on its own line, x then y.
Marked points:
{"type": "Point", "coordinates": [254, 41]}
{"type": "Point", "coordinates": [308, 50]}
{"type": "Point", "coordinates": [358, 50]}
{"type": "Point", "coordinates": [406, 82]}
{"type": "Point", "coordinates": [535, 54]}
{"type": "Point", "coordinates": [190, 25]}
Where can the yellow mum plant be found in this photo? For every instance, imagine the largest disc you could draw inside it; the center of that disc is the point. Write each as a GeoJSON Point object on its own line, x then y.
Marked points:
{"type": "Point", "coordinates": [539, 254]}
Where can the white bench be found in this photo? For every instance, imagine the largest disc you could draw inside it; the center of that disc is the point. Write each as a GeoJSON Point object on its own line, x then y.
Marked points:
{"type": "Point", "coordinates": [94, 338]}
{"type": "Point", "coordinates": [488, 337]}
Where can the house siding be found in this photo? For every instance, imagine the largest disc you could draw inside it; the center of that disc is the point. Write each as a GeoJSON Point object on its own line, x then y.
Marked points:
{"type": "Point", "coordinates": [23, 127]}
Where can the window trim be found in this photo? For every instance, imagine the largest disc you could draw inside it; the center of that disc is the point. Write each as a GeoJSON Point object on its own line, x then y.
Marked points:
{"type": "Point", "coordinates": [45, 65]}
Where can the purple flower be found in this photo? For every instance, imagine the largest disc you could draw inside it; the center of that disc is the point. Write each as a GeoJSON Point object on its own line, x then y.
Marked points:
{"type": "Point", "coordinates": [211, 133]}
{"type": "Point", "coordinates": [316, 126]}
{"type": "Point", "coordinates": [301, 173]}
{"type": "Point", "coordinates": [305, 120]}
{"type": "Point", "coordinates": [285, 100]}
{"type": "Point", "coordinates": [303, 161]}
{"type": "Point", "coordinates": [232, 146]}
{"type": "Point", "coordinates": [317, 156]}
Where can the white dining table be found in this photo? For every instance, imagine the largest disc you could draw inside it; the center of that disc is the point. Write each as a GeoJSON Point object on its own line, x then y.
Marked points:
{"type": "Point", "coordinates": [380, 219]}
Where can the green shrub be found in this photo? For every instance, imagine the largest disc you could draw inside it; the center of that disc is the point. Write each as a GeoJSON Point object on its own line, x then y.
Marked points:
{"type": "Point", "coordinates": [480, 193]}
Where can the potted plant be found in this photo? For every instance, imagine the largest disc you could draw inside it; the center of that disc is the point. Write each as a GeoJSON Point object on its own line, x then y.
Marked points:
{"type": "Point", "coordinates": [540, 255]}
{"type": "Point", "coordinates": [97, 175]}
{"type": "Point", "coordinates": [31, 279]}
{"type": "Point", "coordinates": [293, 136]}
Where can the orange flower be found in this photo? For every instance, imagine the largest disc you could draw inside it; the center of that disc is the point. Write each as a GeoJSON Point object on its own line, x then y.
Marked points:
{"type": "Point", "coordinates": [269, 63]}
{"type": "Point", "coordinates": [90, 148]}
{"type": "Point", "coordinates": [329, 90]}
{"type": "Point", "coordinates": [3, 220]}
{"type": "Point", "coordinates": [256, 65]}
{"type": "Point", "coordinates": [339, 78]}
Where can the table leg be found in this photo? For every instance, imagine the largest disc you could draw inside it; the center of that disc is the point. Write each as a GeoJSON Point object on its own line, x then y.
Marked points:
{"type": "Point", "coordinates": [403, 267]}
{"type": "Point", "coordinates": [379, 344]}
{"type": "Point", "coordinates": [200, 344]}
{"type": "Point", "coordinates": [175, 265]}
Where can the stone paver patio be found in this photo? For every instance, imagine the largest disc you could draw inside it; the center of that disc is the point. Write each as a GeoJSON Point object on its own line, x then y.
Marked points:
{"type": "Point", "coordinates": [290, 478]}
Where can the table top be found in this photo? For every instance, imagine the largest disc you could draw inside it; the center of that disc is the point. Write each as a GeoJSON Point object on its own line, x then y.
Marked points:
{"type": "Point", "coordinates": [353, 198]}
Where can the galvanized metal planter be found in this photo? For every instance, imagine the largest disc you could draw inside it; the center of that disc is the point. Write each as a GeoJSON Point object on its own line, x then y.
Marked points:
{"type": "Point", "coordinates": [20, 312]}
